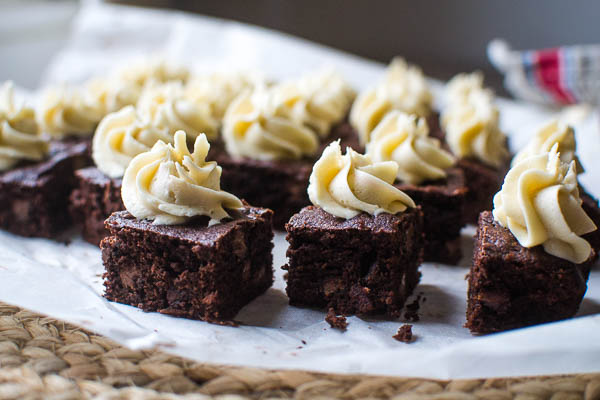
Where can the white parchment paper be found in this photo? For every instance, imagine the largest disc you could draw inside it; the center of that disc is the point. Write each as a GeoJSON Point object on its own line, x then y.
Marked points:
{"type": "Point", "coordinates": [64, 280]}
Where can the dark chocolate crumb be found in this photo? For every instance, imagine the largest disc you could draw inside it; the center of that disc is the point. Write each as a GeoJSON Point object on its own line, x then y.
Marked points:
{"type": "Point", "coordinates": [303, 341]}
{"type": "Point", "coordinates": [336, 322]}
{"type": "Point", "coordinates": [404, 334]}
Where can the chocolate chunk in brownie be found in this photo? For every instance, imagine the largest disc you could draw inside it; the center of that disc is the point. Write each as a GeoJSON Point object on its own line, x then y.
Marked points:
{"type": "Point", "coordinates": [404, 334]}
{"type": "Point", "coordinates": [442, 203]}
{"type": "Point", "coordinates": [193, 270]}
{"type": "Point", "coordinates": [364, 265]}
{"type": "Point", "coordinates": [336, 322]}
{"type": "Point", "coordinates": [276, 184]}
{"type": "Point", "coordinates": [34, 197]}
{"type": "Point", "coordinates": [511, 286]}
{"type": "Point", "coordinates": [95, 198]}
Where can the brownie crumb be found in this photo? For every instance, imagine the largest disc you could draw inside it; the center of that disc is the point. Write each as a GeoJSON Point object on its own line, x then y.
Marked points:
{"type": "Point", "coordinates": [412, 310]}
{"type": "Point", "coordinates": [404, 334]}
{"type": "Point", "coordinates": [336, 322]}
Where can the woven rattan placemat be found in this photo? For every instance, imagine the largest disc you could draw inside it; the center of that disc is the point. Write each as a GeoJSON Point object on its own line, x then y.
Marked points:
{"type": "Point", "coordinates": [41, 357]}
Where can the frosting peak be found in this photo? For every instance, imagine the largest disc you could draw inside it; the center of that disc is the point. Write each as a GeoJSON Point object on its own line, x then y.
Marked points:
{"type": "Point", "coordinates": [539, 202]}
{"type": "Point", "coordinates": [554, 132]}
{"type": "Point", "coordinates": [19, 139]}
{"type": "Point", "coordinates": [405, 139]}
{"type": "Point", "coordinates": [257, 126]}
{"type": "Point", "coordinates": [403, 88]}
{"type": "Point", "coordinates": [64, 111]}
{"type": "Point", "coordinates": [166, 106]}
{"type": "Point", "coordinates": [472, 122]}
{"type": "Point", "coordinates": [122, 135]}
{"type": "Point", "coordinates": [346, 185]}
{"type": "Point", "coordinates": [170, 185]}
{"type": "Point", "coordinates": [318, 100]}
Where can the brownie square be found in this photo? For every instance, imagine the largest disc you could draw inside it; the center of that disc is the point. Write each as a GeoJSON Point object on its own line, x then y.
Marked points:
{"type": "Point", "coordinates": [511, 286]}
{"type": "Point", "coordinates": [364, 265]}
{"type": "Point", "coordinates": [94, 199]}
{"type": "Point", "coordinates": [194, 270]}
{"type": "Point", "coordinates": [34, 197]}
{"type": "Point", "coordinates": [278, 184]}
{"type": "Point", "coordinates": [442, 202]}
{"type": "Point", "coordinates": [483, 182]}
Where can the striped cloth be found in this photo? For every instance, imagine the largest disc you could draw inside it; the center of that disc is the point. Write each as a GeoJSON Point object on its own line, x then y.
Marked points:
{"type": "Point", "coordinates": [562, 75]}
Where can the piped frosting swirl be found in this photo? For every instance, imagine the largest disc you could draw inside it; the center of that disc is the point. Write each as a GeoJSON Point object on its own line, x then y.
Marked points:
{"type": "Point", "coordinates": [122, 135]}
{"type": "Point", "coordinates": [170, 185]}
{"type": "Point", "coordinates": [472, 122]}
{"type": "Point", "coordinates": [258, 126]}
{"type": "Point", "coordinates": [539, 203]}
{"type": "Point", "coordinates": [64, 111]}
{"type": "Point", "coordinates": [167, 106]}
{"type": "Point", "coordinates": [403, 88]}
{"type": "Point", "coordinates": [318, 100]}
{"type": "Point", "coordinates": [346, 185]}
{"type": "Point", "coordinates": [554, 132]}
{"type": "Point", "coordinates": [405, 139]}
{"type": "Point", "coordinates": [19, 138]}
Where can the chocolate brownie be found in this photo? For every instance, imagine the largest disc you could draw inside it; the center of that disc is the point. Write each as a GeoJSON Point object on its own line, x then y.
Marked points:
{"type": "Point", "coordinates": [193, 270]}
{"type": "Point", "coordinates": [34, 197]}
{"type": "Point", "coordinates": [364, 265]}
{"type": "Point", "coordinates": [278, 184]}
{"type": "Point", "coordinates": [95, 198]}
{"type": "Point", "coordinates": [511, 286]}
{"type": "Point", "coordinates": [483, 182]}
{"type": "Point", "coordinates": [590, 206]}
{"type": "Point", "coordinates": [442, 202]}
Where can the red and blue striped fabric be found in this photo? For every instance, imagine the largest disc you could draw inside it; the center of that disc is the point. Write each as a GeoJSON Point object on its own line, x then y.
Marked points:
{"type": "Point", "coordinates": [562, 75]}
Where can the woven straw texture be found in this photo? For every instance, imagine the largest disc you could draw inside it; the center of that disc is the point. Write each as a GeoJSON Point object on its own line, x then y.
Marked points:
{"type": "Point", "coordinates": [41, 357]}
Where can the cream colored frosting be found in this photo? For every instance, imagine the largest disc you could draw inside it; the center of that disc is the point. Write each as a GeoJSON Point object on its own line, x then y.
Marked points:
{"type": "Point", "coordinates": [19, 138]}
{"type": "Point", "coordinates": [122, 135]}
{"type": "Point", "coordinates": [462, 85]}
{"type": "Point", "coordinates": [403, 88]}
{"type": "Point", "coordinates": [405, 139]}
{"type": "Point", "coordinates": [257, 126]}
{"type": "Point", "coordinates": [472, 126]}
{"type": "Point", "coordinates": [166, 106]}
{"type": "Point", "coordinates": [64, 111]}
{"type": "Point", "coordinates": [346, 185]}
{"type": "Point", "coordinates": [545, 138]}
{"type": "Point", "coordinates": [107, 94]}
{"type": "Point", "coordinates": [318, 100]}
{"type": "Point", "coordinates": [219, 89]}
{"type": "Point", "coordinates": [170, 185]}
{"type": "Point", "coordinates": [145, 70]}
{"type": "Point", "coordinates": [539, 202]}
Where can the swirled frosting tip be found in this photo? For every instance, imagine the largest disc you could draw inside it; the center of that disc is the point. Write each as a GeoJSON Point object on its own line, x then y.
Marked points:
{"type": "Point", "coordinates": [405, 139]}
{"type": "Point", "coordinates": [170, 185]}
{"type": "Point", "coordinates": [122, 135]}
{"type": "Point", "coordinates": [553, 132]}
{"type": "Point", "coordinates": [19, 136]}
{"type": "Point", "coordinates": [346, 185]}
{"type": "Point", "coordinates": [539, 203]}
{"type": "Point", "coordinates": [403, 88]}
{"type": "Point", "coordinates": [257, 125]}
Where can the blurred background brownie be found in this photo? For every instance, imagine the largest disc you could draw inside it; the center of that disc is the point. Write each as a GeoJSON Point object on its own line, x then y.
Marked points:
{"type": "Point", "coordinates": [34, 198]}
{"type": "Point", "coordinates": [93, 200]}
